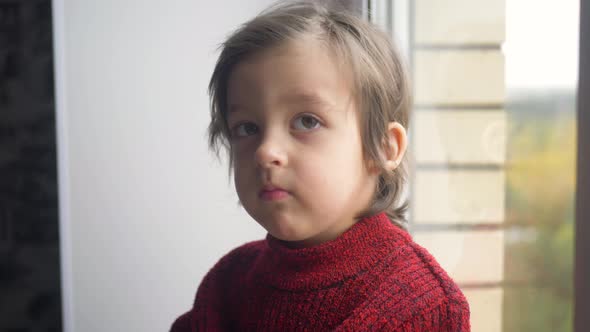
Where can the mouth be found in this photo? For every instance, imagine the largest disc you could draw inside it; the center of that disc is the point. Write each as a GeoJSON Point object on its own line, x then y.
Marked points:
{"type": "Point", "coordinates": [272, 193]}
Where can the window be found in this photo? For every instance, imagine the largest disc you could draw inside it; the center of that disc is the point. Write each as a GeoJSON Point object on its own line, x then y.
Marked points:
{"type": "Point", "coordinates": [494, 148]}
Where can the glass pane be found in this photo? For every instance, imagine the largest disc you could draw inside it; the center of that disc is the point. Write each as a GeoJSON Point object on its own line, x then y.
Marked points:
{"type": "Point", "coordinates": [493, 140]}
{"type": "Point", "coordinates": [541, 78]}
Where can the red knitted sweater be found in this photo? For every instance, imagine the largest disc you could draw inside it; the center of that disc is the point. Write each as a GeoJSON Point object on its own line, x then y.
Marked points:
{"type": "Point", "coordinates": [372, 278]}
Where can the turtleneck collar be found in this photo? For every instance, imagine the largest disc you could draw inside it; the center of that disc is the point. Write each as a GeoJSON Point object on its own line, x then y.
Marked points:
{"type": "Point", "coordinates": [364, 244]}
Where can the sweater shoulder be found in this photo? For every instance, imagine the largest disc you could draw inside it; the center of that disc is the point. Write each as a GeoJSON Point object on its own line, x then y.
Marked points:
{"type": "Point", "coordinates": [415, 289]}
{"type": "Point", "coordinates": [249, 249]}
{"type": "Point", "coordinates": [208, 306]}
{"type": "Point", "coordinates": [452, 312]}
{"type": "Point", "coordinates": [182, 323]}
{"type": "Point", "coordinates": [239, 257]}
{"type": "Point", "coordinates": [413, 267]}
{"type": "Point", "coordinates": [430, 266]}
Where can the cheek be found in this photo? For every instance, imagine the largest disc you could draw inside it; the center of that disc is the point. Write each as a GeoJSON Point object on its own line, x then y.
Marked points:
{"type": "Point", "coordinates": [242, 156]}
{"type": "Point", "coordinates": [242, 176]}
{"type": "Point", "coordinates": [334, 170]}
{"type": "Point", "coordinates": [347, 153]}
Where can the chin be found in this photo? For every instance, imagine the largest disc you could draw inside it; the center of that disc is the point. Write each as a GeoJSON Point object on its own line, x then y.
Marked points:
{"type": "Point", "coordinates": [289, 237]}
{"type": "Point", "coordinates": [285, 231]}
{"type": "Point", "coordinates": [294, 242]}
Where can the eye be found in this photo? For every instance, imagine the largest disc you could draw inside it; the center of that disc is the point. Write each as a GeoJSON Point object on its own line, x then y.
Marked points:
{"type": "Point", "coordinates": [245, 129]}
{"type": "Point", "coordinates": [306, 122]}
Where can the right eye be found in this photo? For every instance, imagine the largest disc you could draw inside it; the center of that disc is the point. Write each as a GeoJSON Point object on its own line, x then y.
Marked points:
{"type": "Point", "coordinates": [245, 129]}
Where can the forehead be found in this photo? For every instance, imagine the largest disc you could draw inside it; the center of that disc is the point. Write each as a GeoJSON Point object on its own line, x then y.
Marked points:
{"type": "Point", "coordinates": [299, 71]}
{"type": "Point", "coordinates": [307, 98]}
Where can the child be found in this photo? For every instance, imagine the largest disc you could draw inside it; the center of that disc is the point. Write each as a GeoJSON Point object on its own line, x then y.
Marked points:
{"type": "Point", "coordinates": [312, 106]}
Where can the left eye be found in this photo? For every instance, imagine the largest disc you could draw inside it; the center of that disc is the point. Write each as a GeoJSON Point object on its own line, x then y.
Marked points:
{"type": "Point", "coordinates": [306, 122]}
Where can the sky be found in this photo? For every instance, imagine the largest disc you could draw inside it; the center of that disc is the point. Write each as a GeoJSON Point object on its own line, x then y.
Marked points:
{"type": "Point", "coordinates": [541, 47]}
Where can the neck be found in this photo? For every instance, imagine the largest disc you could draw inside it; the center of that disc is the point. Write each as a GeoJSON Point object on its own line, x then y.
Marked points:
{"type": "Point", "coordinates": [330, 234]}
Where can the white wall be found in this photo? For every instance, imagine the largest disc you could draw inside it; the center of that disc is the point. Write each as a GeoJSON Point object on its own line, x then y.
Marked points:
{"type": "Point", "coordinates": [145, 209]}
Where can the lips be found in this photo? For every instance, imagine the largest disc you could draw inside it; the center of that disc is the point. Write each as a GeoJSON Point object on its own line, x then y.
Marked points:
{"type": "Point", "coordinates": [272, 193]}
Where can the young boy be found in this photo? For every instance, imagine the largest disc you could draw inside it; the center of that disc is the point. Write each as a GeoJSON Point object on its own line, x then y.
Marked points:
{"type": "Point", "coordinates": [312, 106]}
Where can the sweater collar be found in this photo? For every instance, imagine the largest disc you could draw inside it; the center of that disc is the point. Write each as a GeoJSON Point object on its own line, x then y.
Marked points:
{"type": "Point", "coordinates": [363, 245]}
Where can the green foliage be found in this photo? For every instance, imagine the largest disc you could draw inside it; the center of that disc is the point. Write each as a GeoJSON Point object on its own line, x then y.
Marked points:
{"type": "Point", "coordinates": [540, 194]}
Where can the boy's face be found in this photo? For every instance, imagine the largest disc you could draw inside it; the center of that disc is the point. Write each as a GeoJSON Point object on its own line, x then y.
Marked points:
{"type": "Point", "coordinates": [296, 143]}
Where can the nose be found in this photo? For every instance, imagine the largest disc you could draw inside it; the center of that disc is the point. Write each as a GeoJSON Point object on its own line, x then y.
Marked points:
{"type": "Point", "coordinates": [271, 152]}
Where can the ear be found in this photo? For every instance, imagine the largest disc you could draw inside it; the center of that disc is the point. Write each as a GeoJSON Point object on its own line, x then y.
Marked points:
{"type": "Point", "coordinates": [395, 150]}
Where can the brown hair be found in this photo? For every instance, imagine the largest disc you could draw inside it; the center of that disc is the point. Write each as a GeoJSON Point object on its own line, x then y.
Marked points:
{"type": "Point", "coordinates": [381, 84]}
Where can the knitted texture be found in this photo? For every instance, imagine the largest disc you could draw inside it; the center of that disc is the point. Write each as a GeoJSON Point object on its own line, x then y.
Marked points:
{"type": "Point", "coordinates": [372, 278]}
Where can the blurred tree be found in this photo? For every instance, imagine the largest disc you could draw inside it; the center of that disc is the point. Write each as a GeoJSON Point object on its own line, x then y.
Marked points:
{"type": "Point", "coordinates": [539, 248]}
